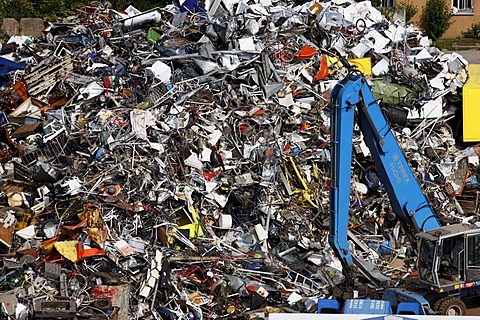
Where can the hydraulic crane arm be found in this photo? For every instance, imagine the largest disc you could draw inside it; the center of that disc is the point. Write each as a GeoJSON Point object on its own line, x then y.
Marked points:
{"type": "Point", "coordinates": [406, 197]}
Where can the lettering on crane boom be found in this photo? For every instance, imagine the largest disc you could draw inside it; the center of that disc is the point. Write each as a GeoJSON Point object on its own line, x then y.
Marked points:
{"type": "Point", "coordinates": [398, 170]}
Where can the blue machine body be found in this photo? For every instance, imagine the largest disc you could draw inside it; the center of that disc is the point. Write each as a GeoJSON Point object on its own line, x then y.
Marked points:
{"type": "Point", "coordinates": [353, 96]}
{"type": "Point", "coordinates": [363, 306]}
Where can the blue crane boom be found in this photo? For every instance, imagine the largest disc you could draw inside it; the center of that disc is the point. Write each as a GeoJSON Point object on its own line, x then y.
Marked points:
{"type": "Point", "coordinates": [442, 280]}
{"type": "Point", "coordinates": [406, 197]}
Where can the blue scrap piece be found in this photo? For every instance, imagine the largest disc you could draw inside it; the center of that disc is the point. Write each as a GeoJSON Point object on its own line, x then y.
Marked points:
{"type": "Point", "coordinates": [7, 66]}
{"type": "Point", "coordinates": [384, 248]}
{"type": "Point", "coordinates": [328, 306]}
{"type": "Point", "coordinates": [405, 307]}
{"type": "Point", "coordinates": [191, 6]}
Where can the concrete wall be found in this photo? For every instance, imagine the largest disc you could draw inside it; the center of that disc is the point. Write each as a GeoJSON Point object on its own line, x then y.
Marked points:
{"type": "Point", "coordinates": [11, 26]}
{"type": "Point", "coordinates": [32, 27]}
{"type": "Point", "coordinates": [459, 23]}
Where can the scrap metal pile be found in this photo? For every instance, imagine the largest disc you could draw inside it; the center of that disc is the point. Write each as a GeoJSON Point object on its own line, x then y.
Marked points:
{"type": "Point", "coordinates": [174, 164]}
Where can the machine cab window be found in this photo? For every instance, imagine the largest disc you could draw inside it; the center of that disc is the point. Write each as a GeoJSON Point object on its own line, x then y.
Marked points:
{"type": "Point", "coordinates": [425, 261]}
{"type": "Point", "coordinates": [473, 258]}
{"type": "Point", "coordinates": [451, 260]}
{"type": "Point", "coordinates": [474, 251]}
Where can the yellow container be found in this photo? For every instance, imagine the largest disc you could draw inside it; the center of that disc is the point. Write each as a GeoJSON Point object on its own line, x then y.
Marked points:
{"type": "Point", "coordinates": [363, 64]}
{"type": "Point", "coordinates": [471, 105]}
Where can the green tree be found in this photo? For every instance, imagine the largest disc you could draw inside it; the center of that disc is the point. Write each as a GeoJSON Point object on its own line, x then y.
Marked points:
{"type": "Point", "coordinates": [18, 9]}
{"type": "Point", "coordinates": [435, 18]}
{"type": "Point", "coordinates": [120, 4]}
{"type": "Point", "coordinates": [51, 9]}
{"type": "Point", "coordinates": [144, 5]}
{"type": "Point", "coordinates": [141, 5]}
{"type": "Point", "coordinates": [410, 9]}
{"type": "Point", "coordinates": [473, 31]}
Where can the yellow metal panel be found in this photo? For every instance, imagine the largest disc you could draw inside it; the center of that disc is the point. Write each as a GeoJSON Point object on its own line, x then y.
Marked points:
{"type": "Point", "coordinates": [471, 105]}
{"type": "Point", "coordinates": [363, 64]}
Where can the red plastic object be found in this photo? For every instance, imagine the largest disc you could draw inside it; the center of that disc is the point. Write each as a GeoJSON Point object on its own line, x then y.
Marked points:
{"type": "Point", "coordinates": [306, 53]}
{"type": "Point", "coordinates": [322, 73]}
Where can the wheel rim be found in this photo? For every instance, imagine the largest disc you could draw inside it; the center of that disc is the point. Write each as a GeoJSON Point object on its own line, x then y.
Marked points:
{"type": "Point", "coordinates": [454, 311]}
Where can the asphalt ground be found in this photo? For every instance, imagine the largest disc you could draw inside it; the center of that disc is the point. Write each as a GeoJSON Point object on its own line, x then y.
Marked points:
{"type": "Point", "coordinates": [472, 56]}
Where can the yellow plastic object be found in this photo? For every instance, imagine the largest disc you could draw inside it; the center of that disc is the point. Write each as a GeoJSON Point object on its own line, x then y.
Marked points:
{"type": "Point", "coordinates": [363, 64]}
{"type": "Point", "coordinates": [332, 61]}
{"type": "Point", "coordinates": [471, 107]}
{"type": "Point", "coordinates": [194, 227]}
{"type": "Point", "coordinates": [305, 195]}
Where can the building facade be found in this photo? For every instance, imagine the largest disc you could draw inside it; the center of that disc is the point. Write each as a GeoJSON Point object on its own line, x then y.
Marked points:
{"type": "Point", "coordinates": [463, 16]}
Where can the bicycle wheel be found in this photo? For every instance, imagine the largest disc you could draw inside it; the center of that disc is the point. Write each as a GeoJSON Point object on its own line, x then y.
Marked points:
{"type": "Point", "coordinates": [360, 25]}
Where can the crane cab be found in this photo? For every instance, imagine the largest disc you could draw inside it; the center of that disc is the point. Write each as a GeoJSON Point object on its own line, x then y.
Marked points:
{"type": "Point", "coordinates": [449, 258]}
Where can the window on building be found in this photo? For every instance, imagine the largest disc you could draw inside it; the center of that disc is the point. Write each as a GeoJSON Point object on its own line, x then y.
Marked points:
{"type": "Point", "coordinates": [462, 7]}
{"type": "Point", "coordinates": [389, 3]}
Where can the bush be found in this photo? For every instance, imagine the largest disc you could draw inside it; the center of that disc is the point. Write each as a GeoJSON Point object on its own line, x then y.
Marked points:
{"type": "Point", "coordinates": [410, 9]}
{"type": "Point", "coordinates": [18, 9]}
{"type": "Point", "coordinates": [144, 5]}
{"type": "Point", "coordinates": [52, 9]}
{"type": "Point", "coordinates": [435, 18]}
{"type": "Point", "coordinates": [49, 9]}
{"type": "Point", "coordinates": [473, 31]}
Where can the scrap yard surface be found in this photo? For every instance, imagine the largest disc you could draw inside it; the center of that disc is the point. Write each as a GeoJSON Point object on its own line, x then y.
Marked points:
{"type": "Point", "coordinates": [176, 163]}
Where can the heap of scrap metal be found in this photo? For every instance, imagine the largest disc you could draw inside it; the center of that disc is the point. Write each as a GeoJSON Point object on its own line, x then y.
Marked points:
{"type": "Point", "coordinates": [174, 163]}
